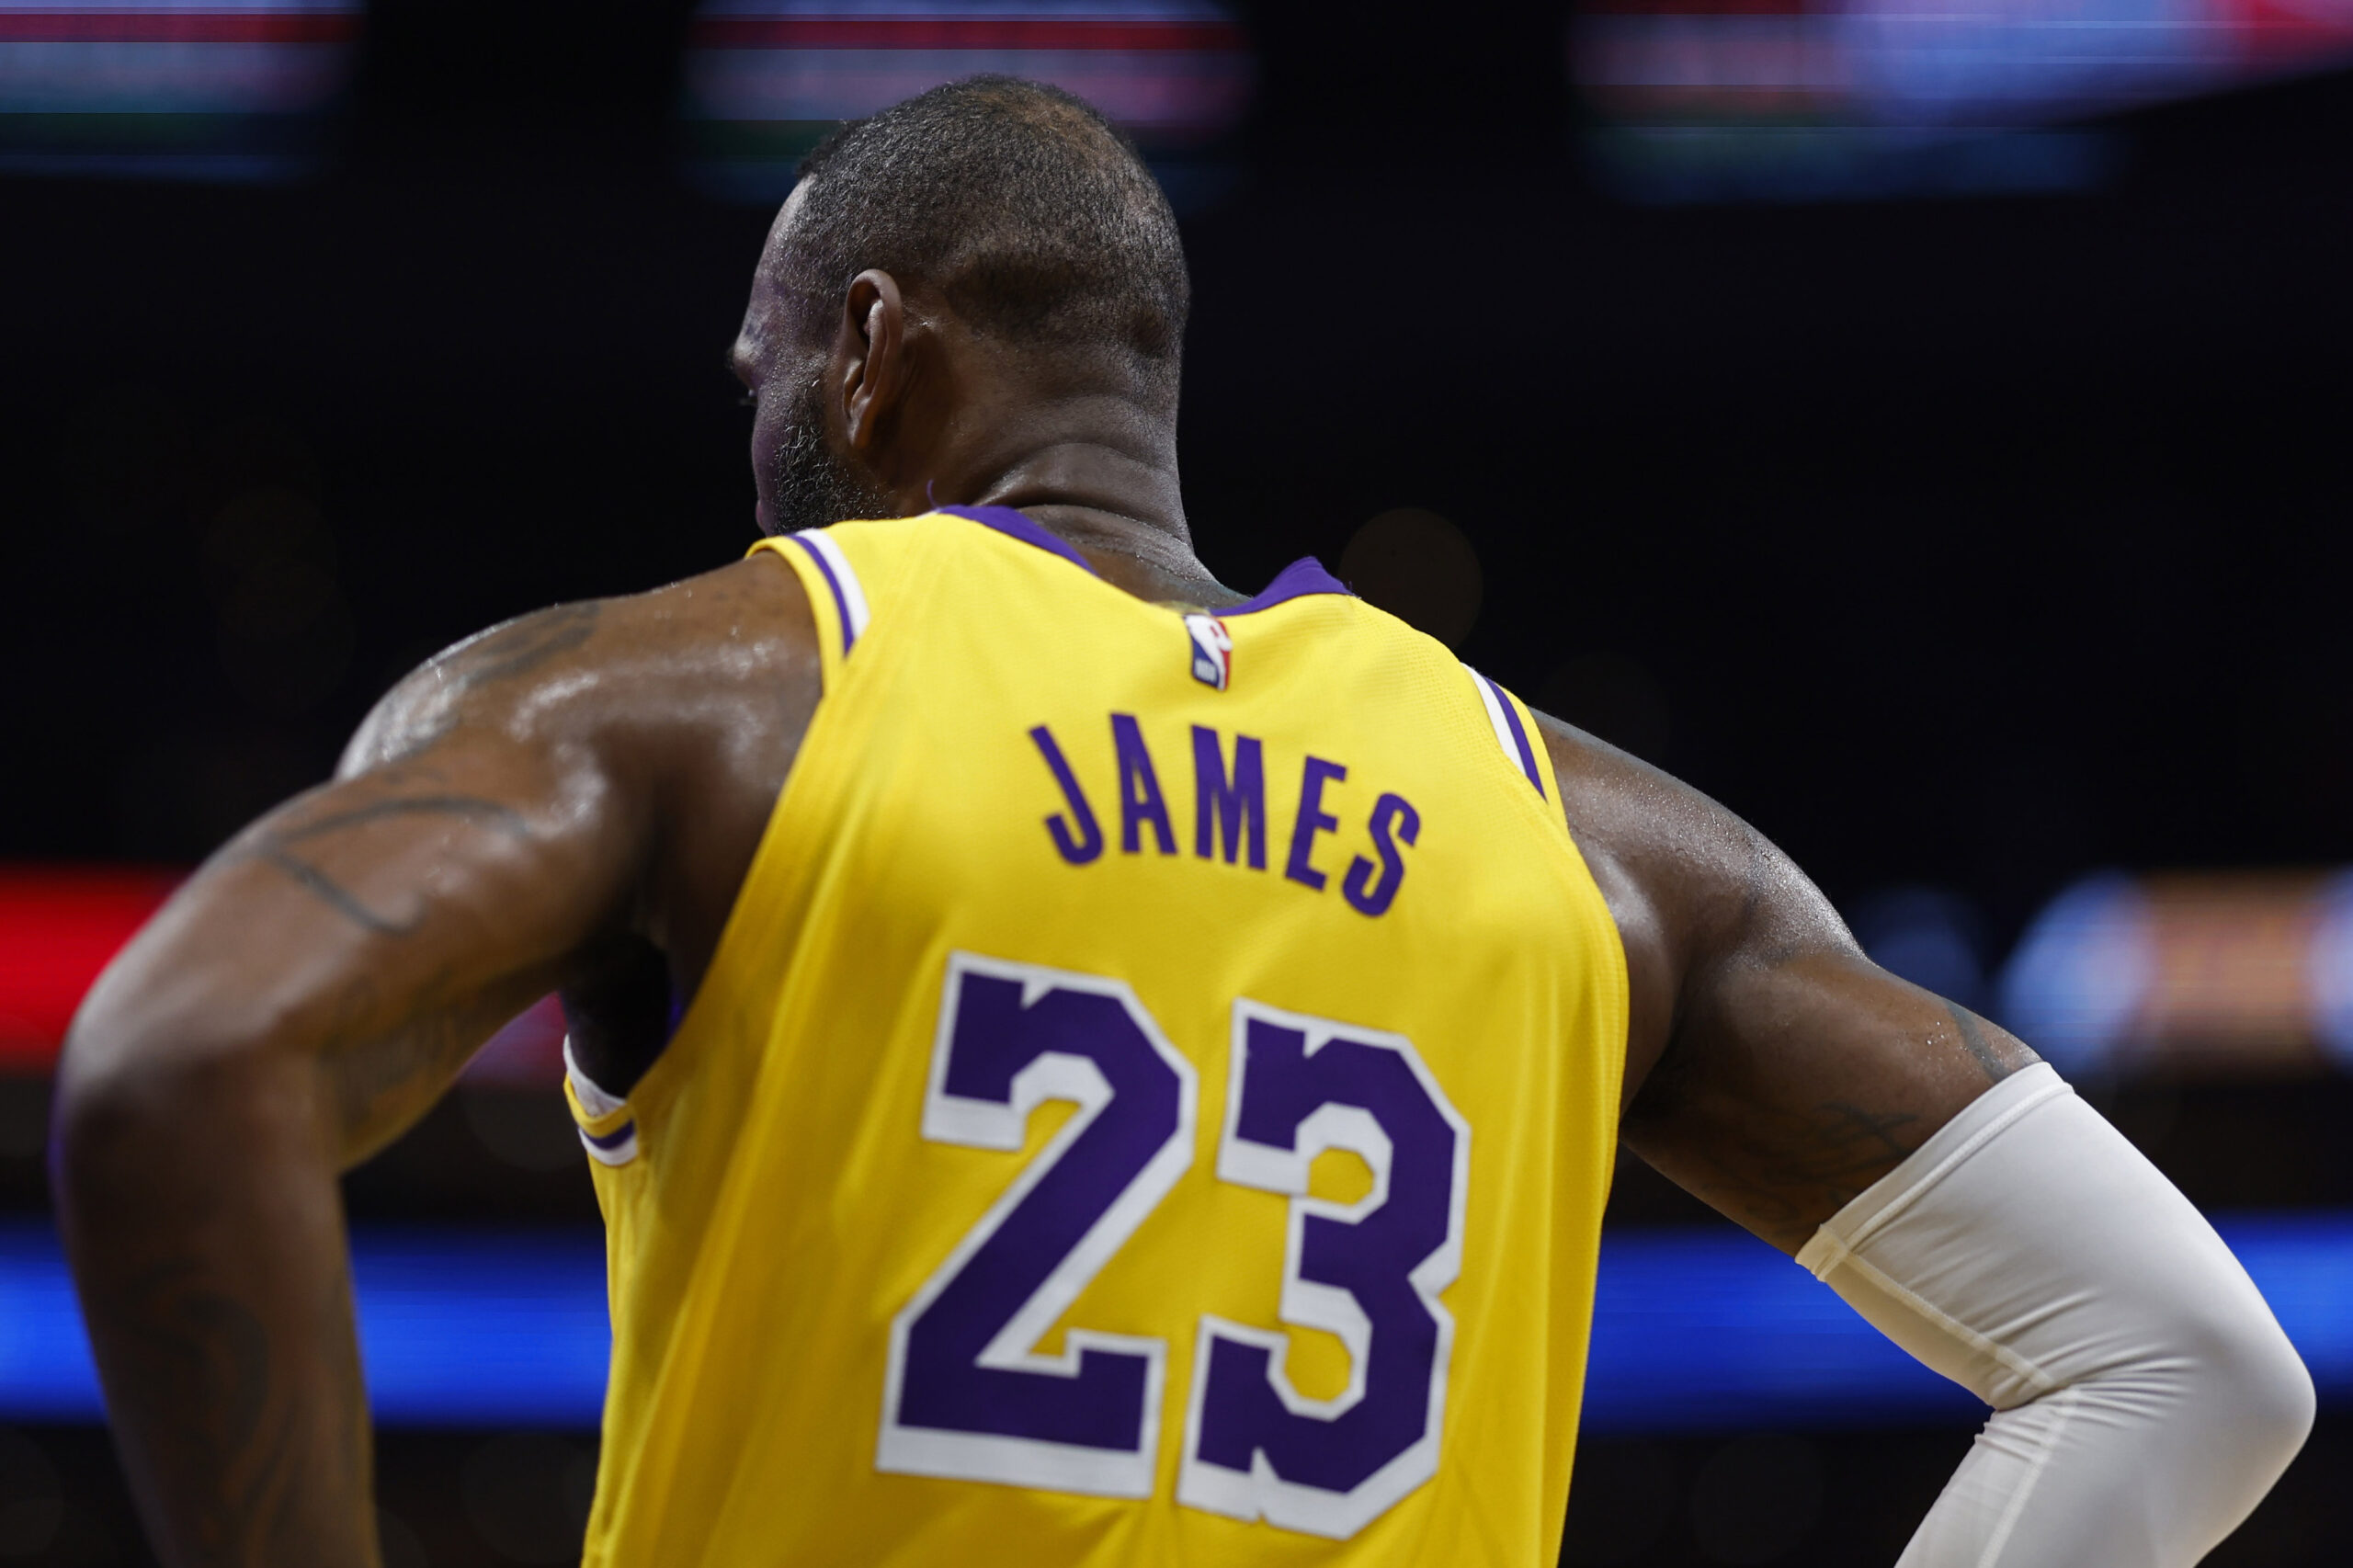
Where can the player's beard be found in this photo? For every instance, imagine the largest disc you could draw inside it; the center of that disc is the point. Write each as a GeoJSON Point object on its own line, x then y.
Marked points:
{"type": "Point", "coordinates": [812, 488]}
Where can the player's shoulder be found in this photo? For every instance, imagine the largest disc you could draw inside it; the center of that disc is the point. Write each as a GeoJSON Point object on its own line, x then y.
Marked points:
{"type": "Point", "coordinates": [1639, 824]}
{"type": "Point", "coordinates": [1690, 885]}
{"type": "Point", "coordinates": [600, 669]}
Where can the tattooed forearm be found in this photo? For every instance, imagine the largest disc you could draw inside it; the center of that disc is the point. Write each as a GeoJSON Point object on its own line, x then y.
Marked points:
{"type": "Point", "coordinates": [194, 1378]}
{"type": "Point", "coordinates": [219, 1307]}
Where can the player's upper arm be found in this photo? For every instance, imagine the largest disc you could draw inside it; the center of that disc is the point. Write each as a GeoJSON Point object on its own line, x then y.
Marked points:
{"type": "Point", "coordinates": [489, 822]}
{"type": "Point", "coordinates": [1771, 1068]}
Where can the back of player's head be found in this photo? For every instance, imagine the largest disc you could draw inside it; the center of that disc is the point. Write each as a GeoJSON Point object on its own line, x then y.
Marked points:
{"type": "Point", "coordinates": [1023, 207]}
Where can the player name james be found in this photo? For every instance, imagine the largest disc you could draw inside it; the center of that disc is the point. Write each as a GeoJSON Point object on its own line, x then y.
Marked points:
{"type": "Point", "coordinates": [1230, 812]}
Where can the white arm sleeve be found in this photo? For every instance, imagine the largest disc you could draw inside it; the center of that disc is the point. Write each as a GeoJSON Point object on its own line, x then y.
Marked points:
{"type": "Point", "coordinates": [2144, 1397]}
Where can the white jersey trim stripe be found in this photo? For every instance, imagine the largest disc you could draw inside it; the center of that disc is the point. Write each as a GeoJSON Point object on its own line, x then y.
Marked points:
{"type": "Point", "coordinates": [1509, 734]}
{"type": "Point", "coordinates": [1494, 706]}
{"type": "Point", "coordinates": [850, 594]}
{"type": "Point", "coordinates": [618, 1147]}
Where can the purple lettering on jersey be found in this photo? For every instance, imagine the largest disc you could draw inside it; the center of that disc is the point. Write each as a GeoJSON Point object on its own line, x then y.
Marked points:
{"type": "Point", "coordinates": [1141, 801]}
{"type": "Point", "coordinates": [1280, 1087]}
{"type": "Point", "coordinates": [1394, 818]}
{"type": "Point", "coordinates": [1232, 806]}
{"type": "Point", "coordinates": [1313, 819]}
{"type": "Point", "coordinates": [1088, 842]}
{"type": "Point", "coordinates": [951, 1384]}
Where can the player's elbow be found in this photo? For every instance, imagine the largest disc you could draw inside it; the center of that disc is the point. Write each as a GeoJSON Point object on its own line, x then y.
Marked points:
{"type": "Point", "coordinates": [144, 1096]}
{"type": "Point", "coordinates": [2253, 1387]}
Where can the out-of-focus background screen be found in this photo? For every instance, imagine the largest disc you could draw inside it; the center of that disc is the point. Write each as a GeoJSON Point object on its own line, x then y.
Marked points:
{"type": "Point", "coordinates": [1922, 426]}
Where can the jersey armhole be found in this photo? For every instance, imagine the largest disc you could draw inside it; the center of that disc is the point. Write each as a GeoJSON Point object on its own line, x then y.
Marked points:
{"type": "Point", "coordinates": [607, 1124]}
{"type": "Point", "coordinates": [1548, 782]}
{"type": "Point", "coordinates": [836, 596]}
{"type": "Point", "coordinates": [1516, 732]}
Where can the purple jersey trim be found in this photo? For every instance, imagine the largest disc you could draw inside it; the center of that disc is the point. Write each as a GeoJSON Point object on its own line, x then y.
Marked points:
{"type": "Point", "coordinates": [615, 1138]}
{"type": "Point", "coordinates": [1304, 577]}
{"type": "Point", "coordinates": [1519, 737]}
{"type": "Point", "coordinates": [1006, 520]}
{"type": "Point", "coordinates": [841, 603]}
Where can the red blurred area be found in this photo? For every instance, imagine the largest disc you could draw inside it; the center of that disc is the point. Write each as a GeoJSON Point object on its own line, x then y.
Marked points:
{"type": "Point", "coordinates": [327, 23]}
{"type": "Point", "coordinates": [58, 926]}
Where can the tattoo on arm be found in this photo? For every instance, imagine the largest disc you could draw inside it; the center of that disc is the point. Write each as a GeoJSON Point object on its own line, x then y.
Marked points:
{"type": "Point", "coordinates": [490, 814]}
{"type": "Point", "coordinates": [523, 645]}
{"type": "Point", "coordinates": [1784, 1172]}
{"type": "Point", "coordinates": [385, 1067]}
{"type": "Point", "coordinates": [337, 897]}
{"type": "Point", "coordinates": [274, 849]}
{"type": "Point", "coordinates": [1972, 1036]}
{"type": "Point", "coordinates": [208, 1397]}
{"type": "Point", "coordinates": [431, 710]}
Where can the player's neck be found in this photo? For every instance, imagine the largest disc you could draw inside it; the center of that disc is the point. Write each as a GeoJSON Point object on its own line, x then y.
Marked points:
{"type": "Point", "coordinates": [1116, 502]}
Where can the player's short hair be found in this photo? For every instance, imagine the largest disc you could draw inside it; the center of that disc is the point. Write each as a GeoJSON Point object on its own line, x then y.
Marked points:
{"type": "Point", "coordinates": [1030, 213]}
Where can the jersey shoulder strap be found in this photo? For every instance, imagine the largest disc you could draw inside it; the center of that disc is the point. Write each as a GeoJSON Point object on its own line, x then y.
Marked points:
{"type": "Point", "coordinates": [849, 571]}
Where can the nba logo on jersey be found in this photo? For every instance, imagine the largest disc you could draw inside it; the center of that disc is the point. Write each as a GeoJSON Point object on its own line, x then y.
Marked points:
{"type": "Point", "coordinates": [1213, 650]}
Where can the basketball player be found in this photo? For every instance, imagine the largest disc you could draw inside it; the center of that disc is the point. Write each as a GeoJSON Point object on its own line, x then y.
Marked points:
{"type": "Point", "coordinates": [1080, 1065]}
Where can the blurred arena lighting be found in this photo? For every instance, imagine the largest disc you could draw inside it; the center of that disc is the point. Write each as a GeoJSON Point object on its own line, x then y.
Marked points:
{"type": "Point", "coordinates": [1809, 99]}
{"type": "Point", "coordinates": [766, 79]}
{"type": "Point", "coordinates": [2198, 975]}
{"type": "Point", "coordinates": [458, 1328]}
{"type": "Point", "coordinates": [1697, 1330]}
{"type": "Point", "coordinates": [1929, 936]}
{"type": "Point", "coordinates": [529, 1052]}
{"type": "Point", "coordinates": [1418, 567]}
{"type": "Point", "coordinates": [190, 89]}
{"type": "Point", "coordinates": [59, 926]}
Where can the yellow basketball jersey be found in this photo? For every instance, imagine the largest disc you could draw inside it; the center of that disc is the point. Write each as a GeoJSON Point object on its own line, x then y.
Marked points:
{"type": "Point", "coordinates": [1152, 1103]}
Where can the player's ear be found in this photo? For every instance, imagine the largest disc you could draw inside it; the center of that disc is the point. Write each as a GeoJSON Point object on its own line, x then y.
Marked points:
{"type": "Point", "coordinates": [872, 355]}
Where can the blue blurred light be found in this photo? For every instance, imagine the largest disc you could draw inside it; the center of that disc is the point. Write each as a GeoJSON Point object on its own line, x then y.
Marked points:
{"type": "Point", "coordinates": [1693, 1330]}
{"type": "Point", "coordinates": [1714, 1330]}
{"type": "Point", "coordinates": [1931, 937]}
{"type": "Point", "coordinates": [457, 1328]}
{"type": "Point", "coordinates": [2074, 987]}
{"type": "Point", "coordinates": [2328, 973]}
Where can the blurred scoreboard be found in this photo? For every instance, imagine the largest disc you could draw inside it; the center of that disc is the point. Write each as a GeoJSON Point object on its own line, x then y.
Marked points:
{"type": "Point", "coordinates": [1705, 99]}
{"type": "Point", "coordinates": [766, 79]}
{"type": "Point", "coordinates": [207, 89]}
{"type": "Point", "coordinates": [2204, 975]}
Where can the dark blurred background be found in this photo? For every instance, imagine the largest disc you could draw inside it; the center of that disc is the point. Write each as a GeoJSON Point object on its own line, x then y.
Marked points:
{"type": "Point", "coordinates": [1970, 533]}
